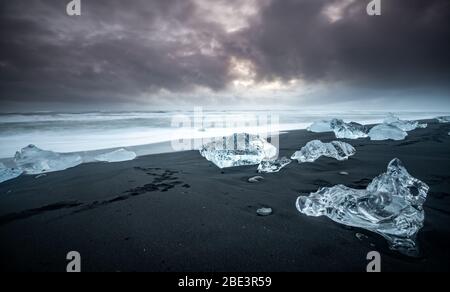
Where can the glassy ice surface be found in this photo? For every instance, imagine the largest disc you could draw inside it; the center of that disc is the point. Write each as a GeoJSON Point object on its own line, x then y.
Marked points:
{"type": "Point", "coordinates": [116, 156]}
{"type": "Point", "coordinates": [7, 173]}
{"type": "Point", "coordinates": [341, 129]}
{"type": "Point", "coordinates": [271, 166]}
{"type": "Point", "coordinates": [350, 130]}
{"type": "Point", "coordinates": [316, 149]}
{"type": "Point", "coordinates": [403, 125]}
{"type": "Point", "coordinates": [390, 206]}
{"type": "Point", "coordinates": [238, 150]}
{"type": "Point", "coordinates": [33, 160]}
{"type": "Point", "coordinates": [387, 132]}
{"type": "Point", "coordinates": [443, 120]}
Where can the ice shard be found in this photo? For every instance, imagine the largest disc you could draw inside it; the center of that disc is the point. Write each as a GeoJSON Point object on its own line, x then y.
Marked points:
{"type": "Point", "coordinates": [387, 132]}
{"type": "Point", "coordinates": [116, 156]}
{"type": "Point", "coordinates": [238, 150]}
{"type": "Point", "coordinates": [402, 124]}
{"type": "Point", "coordinates": [443, 120]}
{"type": "Point", "coordinates": [271, 166]}
{"type": "Point", "coordinates": [7, 173]}
{"type": "Point", "coordinates": [315, 149]}
{"type": "Point", "coordinates": [33, 160]}
{"type": "Point", "coordinates": [341, 129]}
{"type": "Point", "coordinates": [392, 206]}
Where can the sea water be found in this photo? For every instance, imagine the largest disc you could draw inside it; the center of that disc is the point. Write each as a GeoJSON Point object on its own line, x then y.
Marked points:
{"type": "Point", "coordinates": [75, 132]}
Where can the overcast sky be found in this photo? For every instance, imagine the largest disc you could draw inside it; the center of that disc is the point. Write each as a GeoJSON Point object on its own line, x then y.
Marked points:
{"type": "Point", "coordinates": [161, 53]}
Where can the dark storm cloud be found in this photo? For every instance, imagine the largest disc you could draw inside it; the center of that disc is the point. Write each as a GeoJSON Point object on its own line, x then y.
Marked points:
{"type": "Point", "coordinates": [408, 43]}
{"type": "Point", "coordinates": [137, 49]}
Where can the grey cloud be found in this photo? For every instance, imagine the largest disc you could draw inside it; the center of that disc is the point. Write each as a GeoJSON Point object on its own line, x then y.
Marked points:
{"type": "Point", "coordinates": [121, 51]}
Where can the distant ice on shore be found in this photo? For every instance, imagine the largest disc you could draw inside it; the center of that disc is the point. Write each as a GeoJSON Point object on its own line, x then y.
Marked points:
{"type": "Point", "coordinates": [315, 149]}
{"type": "Point", "coordinates": [33, 160]}
{"type": "Point", "coordinates": [392, 128]}
{"type": "Point", "coordinates": [238, 150]}
{"type": "Point", "coordinates": [119, 155]}
{"type": "Point", "coordinates": [341, 129]}
{"type": "Point", "coordinates": [390, 206]}
{"type": "Point", "coordinates": [7, 173]}
{"type": "Point", "coordinates": [443, 120]}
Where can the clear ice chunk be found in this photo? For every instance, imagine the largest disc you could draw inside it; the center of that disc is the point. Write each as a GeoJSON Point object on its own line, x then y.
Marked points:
{"type": "Point", "coordinates": [238, 150]}
{"type": "Point", "coordinates": [315, 149]}
{"type": "Point", "coordinates": [387, 132]}
{"type": "Point", "coordinates": [7, 173]}
{"type": "Point", "coordinates": [341, 129]}
{"type": "Point", "coordinates": [119, 155]}
{"type": "Point", "coordinates": [403, 125]}
{"type": "Point", "coordinates": [390, 206]}
{"type": "Point", "coordinates": [33, 160]}
{"type": "Point", "coordinates": [272, 166]}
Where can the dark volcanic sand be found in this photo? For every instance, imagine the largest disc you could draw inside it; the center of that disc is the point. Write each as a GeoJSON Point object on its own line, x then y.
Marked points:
{"type": "Point", "coordinates": [178, 212]}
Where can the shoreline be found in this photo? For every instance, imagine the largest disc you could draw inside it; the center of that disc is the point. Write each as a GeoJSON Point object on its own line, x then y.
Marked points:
{"type": "Point", "coordinates": [178, 212]}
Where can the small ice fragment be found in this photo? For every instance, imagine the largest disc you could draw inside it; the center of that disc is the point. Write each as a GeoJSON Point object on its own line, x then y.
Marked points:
{"type": "Point", "coordinates": [315, 149]}
{"type": "Point", "coordinates": [422, 126]}
{"type": "Point", "coordinates": [387, 132]}
{"type": "Point", "coordinates": [255, 179]}
{"type": "Point", "coordinates": [392, 206]}
{"type": "Point", "coordinates": [444, 120]}
{"type": "Point", "coordinates": [344, 173]}
{"type": "Point", "coordinates": [33, 160]}
{"type": "Point", "coordinates": [41, 175]}
{"type": "Point", "coordinates": [117, 156]}
{"type": "Point", "coordinates": [271, 166]}
{"type": "Point", "coordinates": [7, 173]}
{"type": "Point", "coordinates": [238, 150]}
{"type": "Point", "coordinates": [264, 211]}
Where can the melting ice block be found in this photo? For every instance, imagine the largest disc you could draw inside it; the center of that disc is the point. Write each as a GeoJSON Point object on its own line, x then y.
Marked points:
{"type": "Point", "coordinates": [238, 150]}
{"type": "Point", "coordinates": [7, 173]}
{"type": "Point", "coordinates": [443, 120]}
{"type": "Point", "coordinates": [116, 156]}
{"type": "Point", "coordinates": [33, 160]}
{"type": "Point", "coordinates": [387, 132]}
{"type": "Point", "coordinates": [390, 206]}
{"type": "Point", "coordinates": [341, 129]}
{"type": "Point", "coordinates": [271, 166]}
{"type": "Point", "coordinates": [403, 125]}
{"type": "Point", "coordinates": [315, 149]}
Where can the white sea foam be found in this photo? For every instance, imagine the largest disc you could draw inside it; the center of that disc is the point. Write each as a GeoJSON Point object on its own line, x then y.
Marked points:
{"type": "Point", "coordinates": [71, 132]}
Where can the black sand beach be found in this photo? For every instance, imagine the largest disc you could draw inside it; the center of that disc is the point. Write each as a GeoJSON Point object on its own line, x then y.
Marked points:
{"type": "Point", "coordinates": [178, 212]}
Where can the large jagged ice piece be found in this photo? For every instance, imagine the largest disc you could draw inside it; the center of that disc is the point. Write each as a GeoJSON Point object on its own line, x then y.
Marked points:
{"type": "Point", "coordinates": [315, 149]}
{"type": "Point", "coordinates": [443, 120]}
{"type": "Point", "coordinates": [390, 206]}
{"type": "Point", "coordinates": [7, 173]}
{"type": "Point", "coordinates": [403, 125]}
{"type": "Point", "coordinates": [350, 130]}
{"type": "Point", "coordinates": [387, 132]}
{"type": "Point", "coordinates": [33, 160]}
{"type": "Point", "coordinates": [117, 156]}
{"type": "Point", "coordinates": [271, 166]}
{"type": "Point", "coordinates": [238, 150]}
{"type": "Point", "coordinates": [341, 129]}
